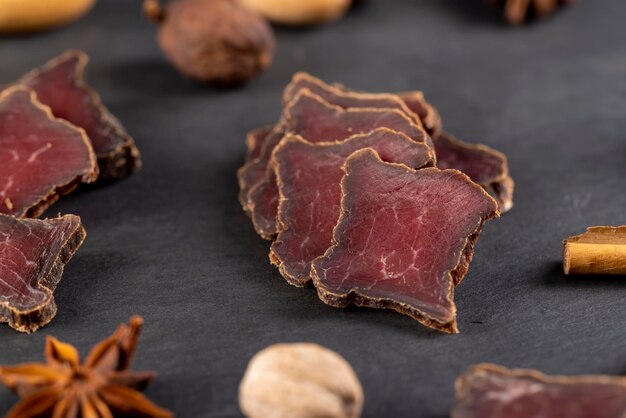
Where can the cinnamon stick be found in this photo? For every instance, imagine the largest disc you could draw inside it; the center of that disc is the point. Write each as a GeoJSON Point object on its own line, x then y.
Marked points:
{"type": "Point", "coordinates": [600, 250]}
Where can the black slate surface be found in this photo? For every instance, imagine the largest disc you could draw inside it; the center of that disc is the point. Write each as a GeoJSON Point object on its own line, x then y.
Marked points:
{"type": "Point", "coordinates": [173, 245]}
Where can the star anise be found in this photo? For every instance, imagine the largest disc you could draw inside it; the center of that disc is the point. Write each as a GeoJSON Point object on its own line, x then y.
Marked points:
{"type": "Point", "coordinates": [516, 11]}
{"type": "Point", "coordinates": [98, 388]}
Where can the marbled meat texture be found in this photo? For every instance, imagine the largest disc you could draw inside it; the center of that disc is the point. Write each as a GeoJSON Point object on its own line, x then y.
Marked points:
{"type": "Point", "coordinates": [309, 179]}
{"type": "Point", "coordinates": [33, 254]}
{"type": "Point", "coordinates": [401, 239]}
{"type": "Point", "coordinates": [481, 163]}
{"type": "Point", "coordinates": [490, 391]}
{"type": "Point", "coordinates": [41, 157]}
{"type": "Point", "coordinates": [317, 121]}
{"type": "Point", "coordinates": [60, 84]}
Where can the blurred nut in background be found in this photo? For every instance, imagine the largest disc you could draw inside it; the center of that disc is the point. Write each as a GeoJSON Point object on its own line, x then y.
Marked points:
{"type": "Point", "coordinates": [300, 381]}
{"type": "Point", "coordinates": [24, 16]}
{"type": "Point", "coordinates": [299, 12]}
{"type": "Point", "coordinates": [213, 41]}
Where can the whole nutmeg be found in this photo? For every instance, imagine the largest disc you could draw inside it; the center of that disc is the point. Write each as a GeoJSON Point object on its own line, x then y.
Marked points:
{"type": "Point", "coordinates": [213, 41]}
{"type": "Point", "coordinates": [300, 381]}
{"type": "Point", "coordinates": [299, 12]}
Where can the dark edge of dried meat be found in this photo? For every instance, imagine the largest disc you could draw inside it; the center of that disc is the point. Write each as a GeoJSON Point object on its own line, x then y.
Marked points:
{"type": "Point", "coordinates": [461, 383]}
{"type": "Point", "coordinates": [61, 189]}
{"type": "Point", "coordinates": [280, 224]}
{"type": "Point", "coordinates": [244, 188]}
{"type": "Point", "coordinates": [125, 159]}
{"type": "Point", "coordinates": [252, 140]}
{"type": "Point", "coordinates": [340, 90]}
{"type": "Point", "coordinates": [287, 115]}
{"type": "Point", "coordinates": [33, 319]}
{"type": "Point", "coordinates": [428, 114]}
{"type": "Point", "coordinates": [455, 275]}
{"type": "Point", "coordinates": [501, 188]}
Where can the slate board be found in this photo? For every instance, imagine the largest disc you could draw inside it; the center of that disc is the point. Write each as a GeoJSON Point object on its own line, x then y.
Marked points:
{"type": "Point", "coordinates": [173, 245]}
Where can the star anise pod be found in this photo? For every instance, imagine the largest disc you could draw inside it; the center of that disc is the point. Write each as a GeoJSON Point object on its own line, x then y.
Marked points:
{"type": "Point", "coordinates": [98, 388]}
{"type": "Point", "coordinates": [516, 11]}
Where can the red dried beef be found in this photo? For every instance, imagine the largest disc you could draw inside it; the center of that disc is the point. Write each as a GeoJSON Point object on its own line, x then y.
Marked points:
{"type": "Point", "coordinates": [309, 178]}
{"type": "Point", "coordinates": [401, 239]}
{"type": "Point", "coordinates": [41, 157]}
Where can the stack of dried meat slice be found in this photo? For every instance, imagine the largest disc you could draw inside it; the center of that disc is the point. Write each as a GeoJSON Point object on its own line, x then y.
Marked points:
{"type": "Point", "coordinates": [363, 196]}
{"type": "Point", "coordinates": [55, 133]}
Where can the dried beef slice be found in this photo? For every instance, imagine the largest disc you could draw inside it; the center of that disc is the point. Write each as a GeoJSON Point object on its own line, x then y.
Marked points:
{"type": "Point", "coordinates": [60, 85]}
{"type": "Point", "coordinates": [490, 391]}
{"type": "Point", "coordinates": [41, 157]}
{"type": "Point", "coordinates": [309, 180]}
{"type": "Point", "coordinates": [33, 254]}
{"type": "Point", "coordinates": [345, 98]}
{"type": "Point", "coordinates": [255, 140]}
{"type": "Point", "coordinates": [317, 121]}
{"type": "Point", "coordinates": [400, 239]}
{"type": "Point", "coordinates": [482, 164]}
{"type": "Point", "coordinates": [250, 173]}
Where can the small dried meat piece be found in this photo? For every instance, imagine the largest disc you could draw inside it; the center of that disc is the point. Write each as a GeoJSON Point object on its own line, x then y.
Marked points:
{"type": "Point", "coordinates": [431, 120]}
{"type": "Point", "coordinates": [41, 157]}
{"type": "Point", "coordinates": [317, 121]}
{"type": "Point", "coordinates": [401, 238]}
{"type": "Point", "coordinates": [482, 164]}
{"type": "Point", "coordinates": [309, 180]}
{"type": "Point", "coordinates": [255, 140]}
{"type": "Point", "coordinates": [33, 253]}
{"type": "Point", "coordinates": [60, 84]}
{"type": "Point", "coordinates": [490, 391]}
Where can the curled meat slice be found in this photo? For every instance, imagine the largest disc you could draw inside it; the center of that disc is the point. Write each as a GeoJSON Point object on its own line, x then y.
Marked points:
{"type": "Point", "coordinates": [41, 157]}
{"type": "Point", "coordinates": [33, 254]}
{"type": "Point", "coordinates": [309, 180]}
{"type": "Point", "coordinates": [401, 239]}
{"type": "Point", "coordinates": [490, 391]}
{"type": "Point", "coordinates": [60, 84]}
{"type": "Point", "coordinates": [317, 121]}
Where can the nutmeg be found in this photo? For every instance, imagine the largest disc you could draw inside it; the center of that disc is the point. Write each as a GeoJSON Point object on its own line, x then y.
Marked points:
{"type": "Point", "coordinates": [299, 12]}
{"type": "Point", "coordinates": [213, 41]}
{"type": "Point", "coordinates": [301, 380]}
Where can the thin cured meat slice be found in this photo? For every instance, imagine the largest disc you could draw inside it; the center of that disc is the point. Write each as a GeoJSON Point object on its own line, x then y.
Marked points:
{"type": "Point", "coordinates": [317, 121]}
{"type": "Point", "coordinates": [255, 140]}
{"type": "Point", "coordinates": [431, 120]}
{"type": "Point", "coordinates": [60, 84]}
{"type": "Point", "coordinates": [345, 98]}
{"type": "Point", "coordinates": [490, 391]}
{"type": "Point", "coordinates": [41, 157]}
{"type": "Point", "coordinates": [401, 239]}
{"type": "Point", "coordinates": [33, 254]}
{"type": "Point", "coordinates": [482, 164]}
{"type": "Point", "coordinates": [309, 180]}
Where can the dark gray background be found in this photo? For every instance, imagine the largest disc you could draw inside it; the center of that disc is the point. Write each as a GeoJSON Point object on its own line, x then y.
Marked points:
{"type": "Point", "coordinates": [173, 245]}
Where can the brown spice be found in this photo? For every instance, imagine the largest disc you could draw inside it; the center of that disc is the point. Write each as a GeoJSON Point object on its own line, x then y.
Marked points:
{"type": "Point", "coordinates": [213, 41]}
{"type": "Point", "coordinates": [302, 380]}
{"type": "Point", "coordinates": [99, 387]}
{"type": "Point", "coordinates": [517, 11]}
{"type": "Point", "coordinates": [600, 250]}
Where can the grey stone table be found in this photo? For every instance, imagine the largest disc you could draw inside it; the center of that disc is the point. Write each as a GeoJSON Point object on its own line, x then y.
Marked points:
{"type": "Point", "coordinates": [173, 245]}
